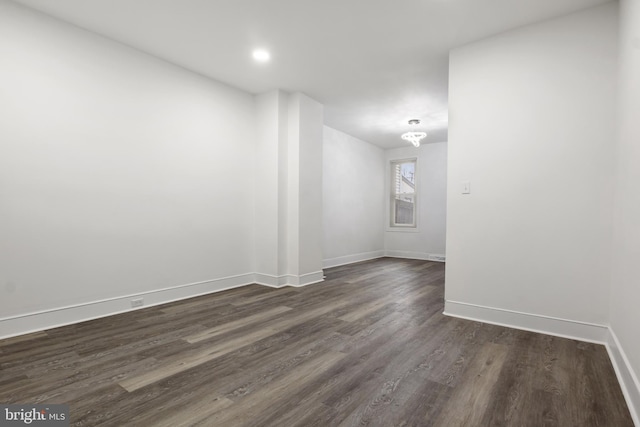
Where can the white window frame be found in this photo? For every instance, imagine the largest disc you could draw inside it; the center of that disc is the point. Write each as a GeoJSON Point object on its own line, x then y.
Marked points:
{"type": "Point", "coordinates": [393, 226]}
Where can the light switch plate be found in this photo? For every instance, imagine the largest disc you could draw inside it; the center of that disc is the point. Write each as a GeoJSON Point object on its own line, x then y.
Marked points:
{"type": "Point", "coordinates": [466, 187]}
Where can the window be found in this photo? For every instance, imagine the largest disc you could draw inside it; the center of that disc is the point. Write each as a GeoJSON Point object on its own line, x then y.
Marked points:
{"type": "Point", "coordinates": [403, 193]}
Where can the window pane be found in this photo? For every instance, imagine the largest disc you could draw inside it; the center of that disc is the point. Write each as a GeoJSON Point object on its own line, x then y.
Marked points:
{"type": "Point", "coordinates": [405, 178]}
{"type": "Point", "coordinates": [403, 193]}
{"type": "Point", "coordinates": [404, 210]}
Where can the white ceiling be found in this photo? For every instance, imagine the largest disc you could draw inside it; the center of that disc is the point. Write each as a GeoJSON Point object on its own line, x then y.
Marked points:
{"type": "Point", "coordinates": [374, 64]}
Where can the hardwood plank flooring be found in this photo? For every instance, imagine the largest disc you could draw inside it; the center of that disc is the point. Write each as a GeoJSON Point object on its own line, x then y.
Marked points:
{"type": "Point", "coordinates": [369, 346]}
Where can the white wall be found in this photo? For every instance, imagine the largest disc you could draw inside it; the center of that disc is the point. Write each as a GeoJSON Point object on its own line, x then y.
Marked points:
{"type": "Point", "coordinates": [119, 173]}
{"type": "Point", "coordinates": [532, 126]}
{"type": "Point", "coordinates": [428, 239]}
{"type": "Point", "coordinates": [625, 290]}
{"type": "Point", "coordinates": [353, 176]}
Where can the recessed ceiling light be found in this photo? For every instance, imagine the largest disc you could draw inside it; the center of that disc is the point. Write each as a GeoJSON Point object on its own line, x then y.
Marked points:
{"type": "Point", "coordinates": [414, 121]}
{"type": "Point", "coordinates": [261, 55]}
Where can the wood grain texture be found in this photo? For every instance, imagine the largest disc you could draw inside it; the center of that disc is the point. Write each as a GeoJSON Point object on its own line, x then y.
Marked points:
{"type": "Point", "coordinates": [367, 347]}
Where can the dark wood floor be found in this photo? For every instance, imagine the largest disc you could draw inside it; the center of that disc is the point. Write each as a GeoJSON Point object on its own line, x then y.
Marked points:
{"type": "Point", "coordinates": [369, 346]}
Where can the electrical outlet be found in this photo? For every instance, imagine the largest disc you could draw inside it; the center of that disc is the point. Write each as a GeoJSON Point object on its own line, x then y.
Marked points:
{"type": "Point", "coordinates": [138, 302]}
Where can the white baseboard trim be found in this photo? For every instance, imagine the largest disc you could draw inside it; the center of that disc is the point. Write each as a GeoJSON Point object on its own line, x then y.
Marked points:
{"type": "Point", "coordinates": [305, 279]}
{"type": "Point", "coordinates": [350, 259]}
{"type": "Point", "coordinates": [289, 279]}
{"type": "Point", "coordinates": [416, 255]}
{"type": "Point", "coordinates": [52, 318]}
{"type": "Point", "coordinates": [564, 328]}
{"type": "Point", "coordinates": [271, 280]}
{"type": "Point", "coordinates": [626, 376]}
{"type": "Point", "coordinates": [27, 323]}
{"type": "Point", "coordinates": [366, 256]}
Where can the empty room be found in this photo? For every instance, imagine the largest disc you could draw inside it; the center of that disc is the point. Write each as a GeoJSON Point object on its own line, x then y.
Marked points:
{"type": "Point", "coordinates": [319, 213]}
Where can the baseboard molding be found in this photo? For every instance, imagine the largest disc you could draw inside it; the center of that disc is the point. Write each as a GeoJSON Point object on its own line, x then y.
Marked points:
{"type": "Point", "coordinates": [350, 259]}
{"type": "Point", "coordinates": [62, 316]}
{"type": "Point", "coordinates": [305, 279]}
{"type": "Point", "coordinates": [416, 255]}
{"type": "Point", "coordinates": [271, 280]}
{"type": "Point", "coordinates": [289, 279]}
{"type": "Point", "coordinates": [564, 328]}
{"type": "Point", "coordinates": [366, 256]}
{"type": "Point", "coordinates": [626, 375]}
{"type": "Point", "coordinates": [56, 317]}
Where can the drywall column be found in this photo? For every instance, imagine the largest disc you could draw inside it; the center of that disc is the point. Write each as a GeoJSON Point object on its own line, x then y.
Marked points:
{"type": "Point", "coordinates": [288, 207]}
{"type": "Point", "coordinates": [270, 198]}
{"type": "Point", "coordinates": [304, 190]}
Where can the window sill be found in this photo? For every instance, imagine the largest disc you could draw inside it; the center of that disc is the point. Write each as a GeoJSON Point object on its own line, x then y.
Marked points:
{"type": "Point", "coordinates": [402, 230]}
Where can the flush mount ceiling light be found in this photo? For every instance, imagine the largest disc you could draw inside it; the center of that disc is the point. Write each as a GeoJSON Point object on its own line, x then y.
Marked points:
{"type": "Point", "coordinates": [261, 55]}
{"type": "Point", "coordinates": [414, 137]}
